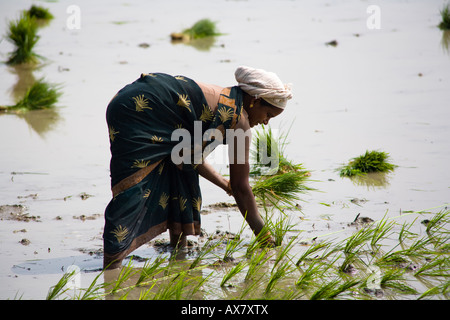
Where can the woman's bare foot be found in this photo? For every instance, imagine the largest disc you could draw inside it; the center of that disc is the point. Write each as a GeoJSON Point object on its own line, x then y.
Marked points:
{"type": "Point", "coordinates": [177, 241]}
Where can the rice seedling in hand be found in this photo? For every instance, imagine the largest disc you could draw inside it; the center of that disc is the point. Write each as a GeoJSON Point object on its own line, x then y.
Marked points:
{"type": "Point", "coordinates": [23, 34]}
{"type": "Point", "coordinates": [279, 228]}
{"type": "Point", "coordinates": [445, 15]}
{"type": "Point", "coordinates": [280, 181]}
{"type": "Point", "coordinates": [371, 161]}
{"type": "Point", "coordinates": [41, 95]}
{"type": "Point", "coordinates": [280, 190]}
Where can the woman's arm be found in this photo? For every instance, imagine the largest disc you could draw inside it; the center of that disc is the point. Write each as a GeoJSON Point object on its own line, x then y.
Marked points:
{"type": "Point", "coordinates": [210, 174]}
{"type": "Point", "coordinates": [240, 173]}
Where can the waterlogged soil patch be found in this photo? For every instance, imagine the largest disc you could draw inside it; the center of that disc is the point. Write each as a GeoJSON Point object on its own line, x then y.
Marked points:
{"type": "Point", "coordinates": [85, 217]}
{"type": "Point", "coordinates": [16, 212]}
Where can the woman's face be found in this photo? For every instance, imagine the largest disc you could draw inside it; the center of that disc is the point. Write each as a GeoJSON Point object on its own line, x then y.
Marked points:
{"type": "Point", "coordinates": [261, 113]}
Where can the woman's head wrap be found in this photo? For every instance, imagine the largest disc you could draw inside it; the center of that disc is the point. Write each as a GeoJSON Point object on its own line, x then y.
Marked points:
{"type": "Point", "coordinates": [263, 84]}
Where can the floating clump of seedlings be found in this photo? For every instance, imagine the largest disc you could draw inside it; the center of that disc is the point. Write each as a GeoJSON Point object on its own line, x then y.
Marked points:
{"type": "Point", "coordinates": [278, 181]}
{"type": "Point", "coordinates": [23, 34]}
{"type": "Point", "coordinates": [445, 15]}
{"type": "Point", "coordinates": [39, 13]}
{"type": "Point", "coordinates": [384, 260]}
{"type": "Point", "coordinates": [41, 95]}
{"type": "Point", "coordinates": [201, 29]}
{"type": "Point", "coordinates": [371, 161]}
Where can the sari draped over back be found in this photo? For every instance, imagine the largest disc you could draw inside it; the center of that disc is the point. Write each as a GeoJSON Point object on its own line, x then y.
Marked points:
{"type": "Point", "coordinates": [150, 192]}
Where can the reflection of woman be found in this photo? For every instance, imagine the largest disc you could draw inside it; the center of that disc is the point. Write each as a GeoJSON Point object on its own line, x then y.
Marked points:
{"type": "Point", "coordinates": [150, 192]}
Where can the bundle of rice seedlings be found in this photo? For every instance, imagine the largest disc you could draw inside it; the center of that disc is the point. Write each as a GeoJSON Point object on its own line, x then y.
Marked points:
{"type": "Point", "coordinates": [281, 190]}
{"type": "Point", "coordinates": [23, 34]}
{"type": "Point", "coordinates": [41, 95]}
{"type": "Point", "coordinates": [445, 15]}
{"type": "Point", "coordinates": [201, 29]}
{"type": "Point", "coordinates": [280, 180]}
{"type": "Point", "coordinates": [371, 161]}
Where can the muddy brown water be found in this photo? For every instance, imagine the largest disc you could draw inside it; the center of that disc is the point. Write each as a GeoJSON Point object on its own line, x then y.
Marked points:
{"type": "Point", "coordinates": [385, 89]}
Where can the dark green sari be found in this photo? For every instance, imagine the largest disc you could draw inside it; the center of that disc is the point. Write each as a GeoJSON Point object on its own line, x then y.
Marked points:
{"type": "Point", "coordinates": [150, 193]}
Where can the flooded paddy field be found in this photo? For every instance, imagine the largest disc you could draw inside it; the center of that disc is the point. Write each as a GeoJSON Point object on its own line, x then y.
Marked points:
{"type": "Point", "coordinates": [382, 85]}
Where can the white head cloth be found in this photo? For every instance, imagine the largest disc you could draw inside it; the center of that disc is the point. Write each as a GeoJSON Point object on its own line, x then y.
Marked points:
{"type": "Point", "coordinates": [263, 84]}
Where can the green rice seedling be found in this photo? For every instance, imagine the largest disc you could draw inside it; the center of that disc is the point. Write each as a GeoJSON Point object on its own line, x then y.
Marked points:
{"type": "Point", "coordinates": [146, 295]}
{"type": "Point", "coordinates": [261, 241]}
{"type": "Point", "coordinates": [125, 273]}
{"type": "Point", "coordinates": [393, 279]}
{"type": "Point", "coordinates": [267, 148]}
{"type": "Point", "coordinates": [150, 269]}
{"type": "Point", "coordinates": [257, 261]}
{"type": "Point", "coordinates": [395, 259]}
{"type": "Point", "coordinates": [316, 247]}
{"type": "Point", "coordinates": [39, 13]}
{"type": "Point", "coordinates": [445, 16]}
{"type": "Point", "coordinates": [61, 287]}
{"type": "Point", "coordinates": [280, 227]}
{"type": "Point", "coordinates": [23, 34]}
{"type": "Point", "coordinates": [277, 185]}
{"type": "Point", "coordinates": [438, 267]}
{"type": "Point", "coordinates": [443, 288]}
{"type": "Point", "coordinates": [92, 292]}
{"type": "Point", "coordinates": [276, 275]}
{"type": "Point", "coordinates": [233, 245]}
{"type": "Point", "coordinates": [404, 233]}
{"type": "Point", "coordinates": [371, 161]}
{"type": "Point", "coordinates": [352, 247]}
{"type": "Point", "coordinates": [333, 288]}
{"type": "Point", "coordinates": [234, 271]}
{"type": "Point", "coordinates": [196, 288]}
{"type": "Point", "coordinates": [316, 271]}
{"type": "Point", "coordinates": [357, 240]}
{"type": "Point", "coordinates": [207, 248]}
{"type": "Point", "coordinates": [381, 230]}
{"type": "Point", "coordinates": [251, 287]}
{"type": "Point", "coordinates": [41, 95]}
{"type": "Point", "coordinates": [419, 248]}
{"type": "Point", "coordinates": [173, 290]}
{"type": "Point", "coordinates": [201, 29]}
{"type": "Point", "coordinates": [438, 224]}
{"type": "Point", "coordinates": [266, 151]}
{"type": "Point", "coordinates": [281, 190]}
